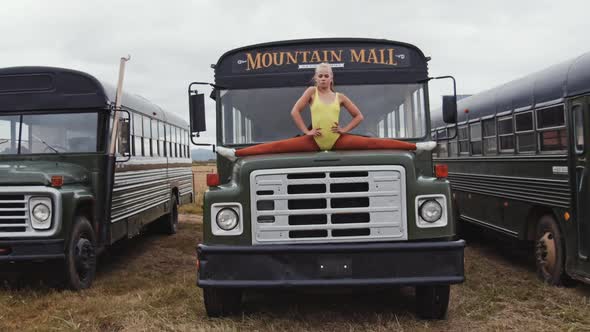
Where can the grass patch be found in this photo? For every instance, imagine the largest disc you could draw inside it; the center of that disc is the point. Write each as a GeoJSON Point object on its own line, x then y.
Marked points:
{"type": "Point", "coordinates": [193, 208]}
{"type": "Point", "coordinates": [148, 284]}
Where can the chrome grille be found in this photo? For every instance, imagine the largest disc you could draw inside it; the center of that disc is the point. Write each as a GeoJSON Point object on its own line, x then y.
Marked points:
{"type": "Point", "coordinates": [14, 211]}
{"type": "Point", "coordinates": [328, 204]}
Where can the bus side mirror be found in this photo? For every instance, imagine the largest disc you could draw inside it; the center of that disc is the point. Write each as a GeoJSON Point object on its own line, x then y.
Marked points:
{"type": "Point", "coordinates": [449, 109]}
{"type": "Point", "coordinates": [197, 112]}
{"type": "Point", "coordinates": [123, 139]}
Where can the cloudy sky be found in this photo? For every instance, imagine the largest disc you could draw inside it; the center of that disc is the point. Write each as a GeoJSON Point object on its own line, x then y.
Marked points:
{"type": "Point", "coordinates": [174, 43]}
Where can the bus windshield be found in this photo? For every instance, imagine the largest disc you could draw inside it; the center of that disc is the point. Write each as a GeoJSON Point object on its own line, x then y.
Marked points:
{"type": "Point", "coordinates": [260, 115]}
{"type": "Point", "coordinates": [49, 133]}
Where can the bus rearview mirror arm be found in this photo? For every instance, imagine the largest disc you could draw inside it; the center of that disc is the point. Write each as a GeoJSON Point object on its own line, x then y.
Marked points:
{"type": "Point", "coordinates": [449, 108]}
{"type": "Point", "coordinates": [197, 112]}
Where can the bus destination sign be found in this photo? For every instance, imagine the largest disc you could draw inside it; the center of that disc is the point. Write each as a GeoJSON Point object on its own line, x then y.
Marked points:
{"type": "Point", "coordinates": [284, 60]}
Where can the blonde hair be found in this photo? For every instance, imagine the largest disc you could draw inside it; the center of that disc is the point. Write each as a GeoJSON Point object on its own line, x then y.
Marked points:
{"type": "Point", "coordinates": [329, 68]}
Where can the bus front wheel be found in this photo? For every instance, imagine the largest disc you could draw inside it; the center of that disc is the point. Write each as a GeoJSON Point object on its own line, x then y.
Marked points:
{"type": "Point", "coordinates": [549, 252]}
{"type": "Point", "coordinates": [432, 302]}
{"type": "Point", "coordinates": [221, 302]}
{"type": "Point", "coordinates": [80, 264]}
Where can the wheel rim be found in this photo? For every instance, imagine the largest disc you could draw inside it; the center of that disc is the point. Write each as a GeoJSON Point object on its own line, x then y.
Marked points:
{"type": "Point", "coordinates": [84, 258]}
{"type": "Point", "coordinates": [546, 253]}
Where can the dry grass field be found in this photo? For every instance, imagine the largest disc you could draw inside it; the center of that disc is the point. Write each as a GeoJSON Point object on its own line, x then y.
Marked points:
{"type": "Point", "coordinates": [148, 284]}
{"type": "Point", "coordinates": [200, 171]}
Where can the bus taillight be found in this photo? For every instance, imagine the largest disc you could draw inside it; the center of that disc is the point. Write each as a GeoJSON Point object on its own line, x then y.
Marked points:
{"type": "Point", "coordinates": [441, 171]}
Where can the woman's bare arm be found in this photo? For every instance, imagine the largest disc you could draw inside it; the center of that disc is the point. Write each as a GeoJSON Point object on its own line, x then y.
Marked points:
{"type": "Point", "coordinates": [357, 116]}
{"type": "Point", "coordinates": [299, 107]}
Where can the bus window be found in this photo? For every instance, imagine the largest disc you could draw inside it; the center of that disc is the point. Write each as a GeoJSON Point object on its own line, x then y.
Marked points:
{"type": "Point", "coordinates": [442, 145]}
{"type": "Point", "coordinates": [551, 127]}
{"type": "Point", "coordinates": [137, 134]}
{"type": "Point", "coordinates": [184, 143]}
{"type": "Point", "coordinates": [169, 140]}
{"type": "Point", "coordinates": [155, 150]}
{"type": "Point", "coordinates": [490, 145]}
{"type": "Point", "coordinates": [463, 140]}
{"type": "Point", "coordinates": [453, 151]}
{"type": "Point", "coordinates": [147, 135]}
{"type": "Point", "coordinates": [578, 127]}
{"type": "Point", "coordinates": [174, 142]}
{"type": "Point", "coordinates": [161, 139]}
{"type": "Point", "coordinates": [9, 133]}
{"type": "Point", "coordinates": [525, 136]}
{"type": "Point", "coordinates": [506, 134]}
{"type": "Point", "coordinates": [475, 134]}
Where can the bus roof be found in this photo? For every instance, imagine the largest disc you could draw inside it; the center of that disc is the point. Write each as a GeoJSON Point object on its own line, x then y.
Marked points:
{"type": "Point", "coordinates": [542, 88]}
{"type": "Point", "coordinates": [292, 63]}
{"type": "Point", "coordinates": [51, 88]}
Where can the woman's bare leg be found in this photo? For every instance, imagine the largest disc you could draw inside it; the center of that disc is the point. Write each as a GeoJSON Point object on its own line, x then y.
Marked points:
{"type": "Point", "coordinates": [297, 144]}
{"type": "Point", "coordinates": [355, 142]}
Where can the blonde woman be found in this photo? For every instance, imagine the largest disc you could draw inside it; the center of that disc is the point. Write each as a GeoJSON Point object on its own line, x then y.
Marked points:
{"type": "Point", "coordinates": [325, 133]}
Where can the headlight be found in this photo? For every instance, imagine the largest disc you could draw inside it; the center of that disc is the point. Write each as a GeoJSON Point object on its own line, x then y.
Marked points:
{"type": "Point", "coordinates": [227, 219]}
{"type": "Point", "coordinates": [430, 211]}
{"type": "Point", "coordinates": [41, 212]}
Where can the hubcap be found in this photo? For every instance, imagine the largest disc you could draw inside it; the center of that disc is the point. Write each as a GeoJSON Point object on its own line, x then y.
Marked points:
{"type": "Point", "coordinates": [546, 253]}
{"type": "Point", "coordinates": [84, 257]}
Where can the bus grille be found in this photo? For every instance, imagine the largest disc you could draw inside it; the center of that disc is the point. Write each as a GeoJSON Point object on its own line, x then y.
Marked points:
{"type": "Point", "coordinates": [328, 204]}
{"type": "Point", "coordinates": [15, 219]}
{"type": "Point", "coordinates": [13, 213]}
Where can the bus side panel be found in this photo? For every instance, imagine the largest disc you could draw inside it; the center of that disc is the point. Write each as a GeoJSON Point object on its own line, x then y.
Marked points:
{"type": "Point", "coordinates": [515, 216]}
{"type": "Point", "coordinates": [141, 195]}
{"type": "Point", "coordinates": [479, 207]}
{"type": "Point", "coordinates": [180, 175]}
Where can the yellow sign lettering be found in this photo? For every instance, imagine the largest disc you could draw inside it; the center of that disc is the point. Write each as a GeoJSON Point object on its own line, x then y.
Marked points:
{"type": "Point", "coordinates": [372, 56]}
{"type": "Point", "coordinates": [357, 57]}
{"type": "Point", "coordinates": [253, 63]}
{"type": "Point", "coordinates": [336, 57]}
{"type": "Point", "coordinates": [267, 60]}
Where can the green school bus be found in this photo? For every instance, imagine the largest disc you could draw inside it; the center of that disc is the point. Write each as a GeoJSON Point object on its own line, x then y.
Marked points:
{"type": "Point", "coordinates": [63, 197]}
{"type": "Point", "coordinates": [330, 218]}
{"type": "Point", "coordinates": [518, 165]}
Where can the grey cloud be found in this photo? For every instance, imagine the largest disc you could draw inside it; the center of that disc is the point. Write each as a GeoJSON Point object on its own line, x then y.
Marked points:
{"type": "Point", "coordinates": [482, 44]}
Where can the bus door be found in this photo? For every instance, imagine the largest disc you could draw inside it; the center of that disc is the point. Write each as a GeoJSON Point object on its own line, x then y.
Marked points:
{"type": "Point", "coordinates": [581, 154]}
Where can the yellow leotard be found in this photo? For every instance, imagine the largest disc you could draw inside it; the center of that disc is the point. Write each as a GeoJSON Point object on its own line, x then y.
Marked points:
{"type": "Point", "coordinates": [323, 116]}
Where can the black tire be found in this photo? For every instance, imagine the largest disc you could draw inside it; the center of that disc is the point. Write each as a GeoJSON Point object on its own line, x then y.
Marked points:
{"type": "Point", "coordinates": [170, 221]}
{"type": "Point", "coordinates": [432, 302]}
{"type": "Point", "coordinates": [80, 263]}
{"type": "Point", "coordinates": [550, 252]}
{"type": "Point", "coordinates": [221, 302]}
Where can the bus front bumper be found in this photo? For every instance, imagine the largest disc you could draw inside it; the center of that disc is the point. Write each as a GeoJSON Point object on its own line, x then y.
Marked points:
{"type": "Point", "coordinates": [31, 250]}
{"type": "Point", "coordinates": [408, 263]}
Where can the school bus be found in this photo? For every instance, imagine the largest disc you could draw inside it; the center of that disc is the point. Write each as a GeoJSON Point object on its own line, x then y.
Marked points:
{"type": "Point", "coordinates": [63, 197]}
{"type": "Point", "coordinates": [518, 165]}
{"type": "Point", "coordinates": [333, 218]}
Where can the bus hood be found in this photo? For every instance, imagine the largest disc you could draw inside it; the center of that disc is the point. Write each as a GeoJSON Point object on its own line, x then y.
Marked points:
{"type": "Point", "coordinates": [40, 172]}
{"type": "Point", "coordinates": [408, 159]}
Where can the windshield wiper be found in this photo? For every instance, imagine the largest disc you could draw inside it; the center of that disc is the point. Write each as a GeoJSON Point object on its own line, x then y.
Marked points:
{"type": "Point", "coordinates": [46, 144]}
{"type": "Point", "coordinates": [4, 140]}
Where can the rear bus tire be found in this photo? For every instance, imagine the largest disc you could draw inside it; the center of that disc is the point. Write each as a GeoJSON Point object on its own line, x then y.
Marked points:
{"type": "Point", "coordinates": [80, 262]}
{"type": "Point", "coordinates": [550, 252]}
{"type": "Point", "coordinates": [221, 302]}
{"type": "Point", "coordinates": [432, 302]}
{"type": "Point", "coordinates": [169, 223]}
